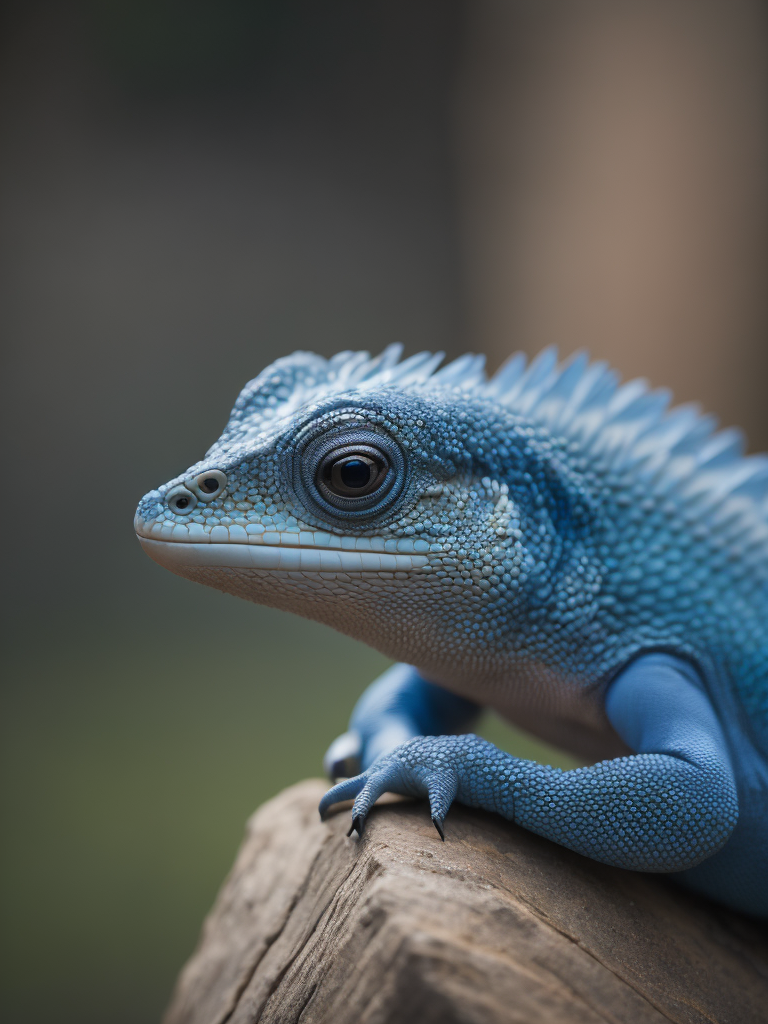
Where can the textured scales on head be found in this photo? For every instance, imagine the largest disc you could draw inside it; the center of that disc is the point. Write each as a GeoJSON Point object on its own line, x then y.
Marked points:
{"type": "Point", "coordinates": [546, 523]}
{"type": "Point", "coordinates": [300, 379]}
{"type": "Point", "coordinates": [678, 452]}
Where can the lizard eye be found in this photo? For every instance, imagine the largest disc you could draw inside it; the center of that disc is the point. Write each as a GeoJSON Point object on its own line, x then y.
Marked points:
{"type": "Point", "coordinates": [355, 473]}
{"type": "Point", "coordinates": [210, 484]}
{"type": "Point", "coordinates": [180, 500]}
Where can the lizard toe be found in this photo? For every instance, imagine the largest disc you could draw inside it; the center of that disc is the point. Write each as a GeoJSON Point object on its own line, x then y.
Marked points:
{"type": "Point", "coordinates": [418, 768]}
{"type": "Point", "coordinates": [345, 790]}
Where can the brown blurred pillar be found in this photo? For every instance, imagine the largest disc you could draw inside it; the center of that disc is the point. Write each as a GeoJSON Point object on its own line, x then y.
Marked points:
{"type": "Point", "coordinates": [613, 160]}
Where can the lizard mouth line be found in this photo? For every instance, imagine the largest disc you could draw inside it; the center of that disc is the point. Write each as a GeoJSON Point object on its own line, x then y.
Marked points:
{"type": "Point", "coordinates": [284, 558]}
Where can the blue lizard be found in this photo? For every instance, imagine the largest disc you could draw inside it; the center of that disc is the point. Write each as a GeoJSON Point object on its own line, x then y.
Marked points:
{"type": "Point", "coordinates": [548, 543]}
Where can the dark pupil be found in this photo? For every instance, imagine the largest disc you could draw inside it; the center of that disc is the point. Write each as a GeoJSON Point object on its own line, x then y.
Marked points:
{"type": "Point", "coordinates": [182, 502]}
{"type": "Point", "coordinates": [355, 474]}
{"type": "Point", "coordinates": [210, 484]}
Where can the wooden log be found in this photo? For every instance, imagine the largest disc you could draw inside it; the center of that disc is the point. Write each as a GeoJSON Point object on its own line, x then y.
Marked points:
{"type": "Point", "coordinates": [494, 925]}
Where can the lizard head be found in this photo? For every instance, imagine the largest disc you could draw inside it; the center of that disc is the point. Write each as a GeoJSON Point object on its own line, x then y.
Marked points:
{"type": "Point", "coordinates": [395, 502]}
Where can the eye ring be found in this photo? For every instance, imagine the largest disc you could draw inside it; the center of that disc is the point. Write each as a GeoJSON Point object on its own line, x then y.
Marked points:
{"type": "Point", "coordinates": [353, 474]}
{"type": "Point", "coordinates": [210, 484]}
{"type": "Point", "coordinates": [180, 500]}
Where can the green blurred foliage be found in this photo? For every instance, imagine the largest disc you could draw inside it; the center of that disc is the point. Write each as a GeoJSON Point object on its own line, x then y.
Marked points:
{"type": "Point", "coordinates": [131, 761]}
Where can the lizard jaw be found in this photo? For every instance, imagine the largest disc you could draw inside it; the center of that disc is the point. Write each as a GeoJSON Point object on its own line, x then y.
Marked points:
{"type": "Point", "coordinates": [178, 554]}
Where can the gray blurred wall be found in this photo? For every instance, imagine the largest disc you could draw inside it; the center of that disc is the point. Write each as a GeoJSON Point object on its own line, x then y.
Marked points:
{"type": "Point", "coordinates": [189, 193]}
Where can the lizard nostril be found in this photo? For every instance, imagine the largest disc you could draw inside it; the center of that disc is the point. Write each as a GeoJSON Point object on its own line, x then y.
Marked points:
{"type": "Point", "coordinates": [210, 484]}
{"type": "Point", "coordinates": [181, 501]}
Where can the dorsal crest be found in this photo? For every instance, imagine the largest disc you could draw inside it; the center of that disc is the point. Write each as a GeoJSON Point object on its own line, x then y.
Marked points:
{"type": "Point", "coordinates": [678, 451]}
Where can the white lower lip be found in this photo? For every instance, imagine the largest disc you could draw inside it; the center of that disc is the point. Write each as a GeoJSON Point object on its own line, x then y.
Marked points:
{"type": "Point", "coordinates": [291, 559]}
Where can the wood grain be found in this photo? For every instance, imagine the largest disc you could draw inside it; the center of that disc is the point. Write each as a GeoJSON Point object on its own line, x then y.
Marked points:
{"type": "Point", "coordinates": [494, 925]}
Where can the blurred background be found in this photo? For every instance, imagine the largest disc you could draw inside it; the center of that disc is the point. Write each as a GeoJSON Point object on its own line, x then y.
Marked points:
{"type": "Point", "coordinates": [189, 190]}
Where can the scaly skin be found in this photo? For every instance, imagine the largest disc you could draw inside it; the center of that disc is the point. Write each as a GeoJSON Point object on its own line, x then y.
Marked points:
{"type": "Point", "coordinates": [545, 543]}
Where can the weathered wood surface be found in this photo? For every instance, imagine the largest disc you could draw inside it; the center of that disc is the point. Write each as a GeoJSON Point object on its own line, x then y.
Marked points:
{"type": "Point", "coordinates": [494, 925]}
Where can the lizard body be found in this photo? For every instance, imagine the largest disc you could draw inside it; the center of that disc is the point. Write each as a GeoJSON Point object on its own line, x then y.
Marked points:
{"type": "Point", "coordinates": [547, 543]}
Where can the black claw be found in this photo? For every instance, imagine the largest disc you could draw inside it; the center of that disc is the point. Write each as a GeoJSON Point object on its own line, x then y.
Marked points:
{"type": "Point", "coordinates": [438, 823]}
{"type": "Point", "coordinates": [358, 824]}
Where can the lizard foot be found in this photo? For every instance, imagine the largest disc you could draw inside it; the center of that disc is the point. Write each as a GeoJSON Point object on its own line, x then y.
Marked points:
{"type": "Point", "coordinates": [422, 767]}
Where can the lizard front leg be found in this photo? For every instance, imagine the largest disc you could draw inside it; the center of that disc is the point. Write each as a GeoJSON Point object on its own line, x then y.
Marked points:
{"type": "Point", "coordinates": [397, 707]}
{"type": "Point", "coordinates": [665, 808]}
